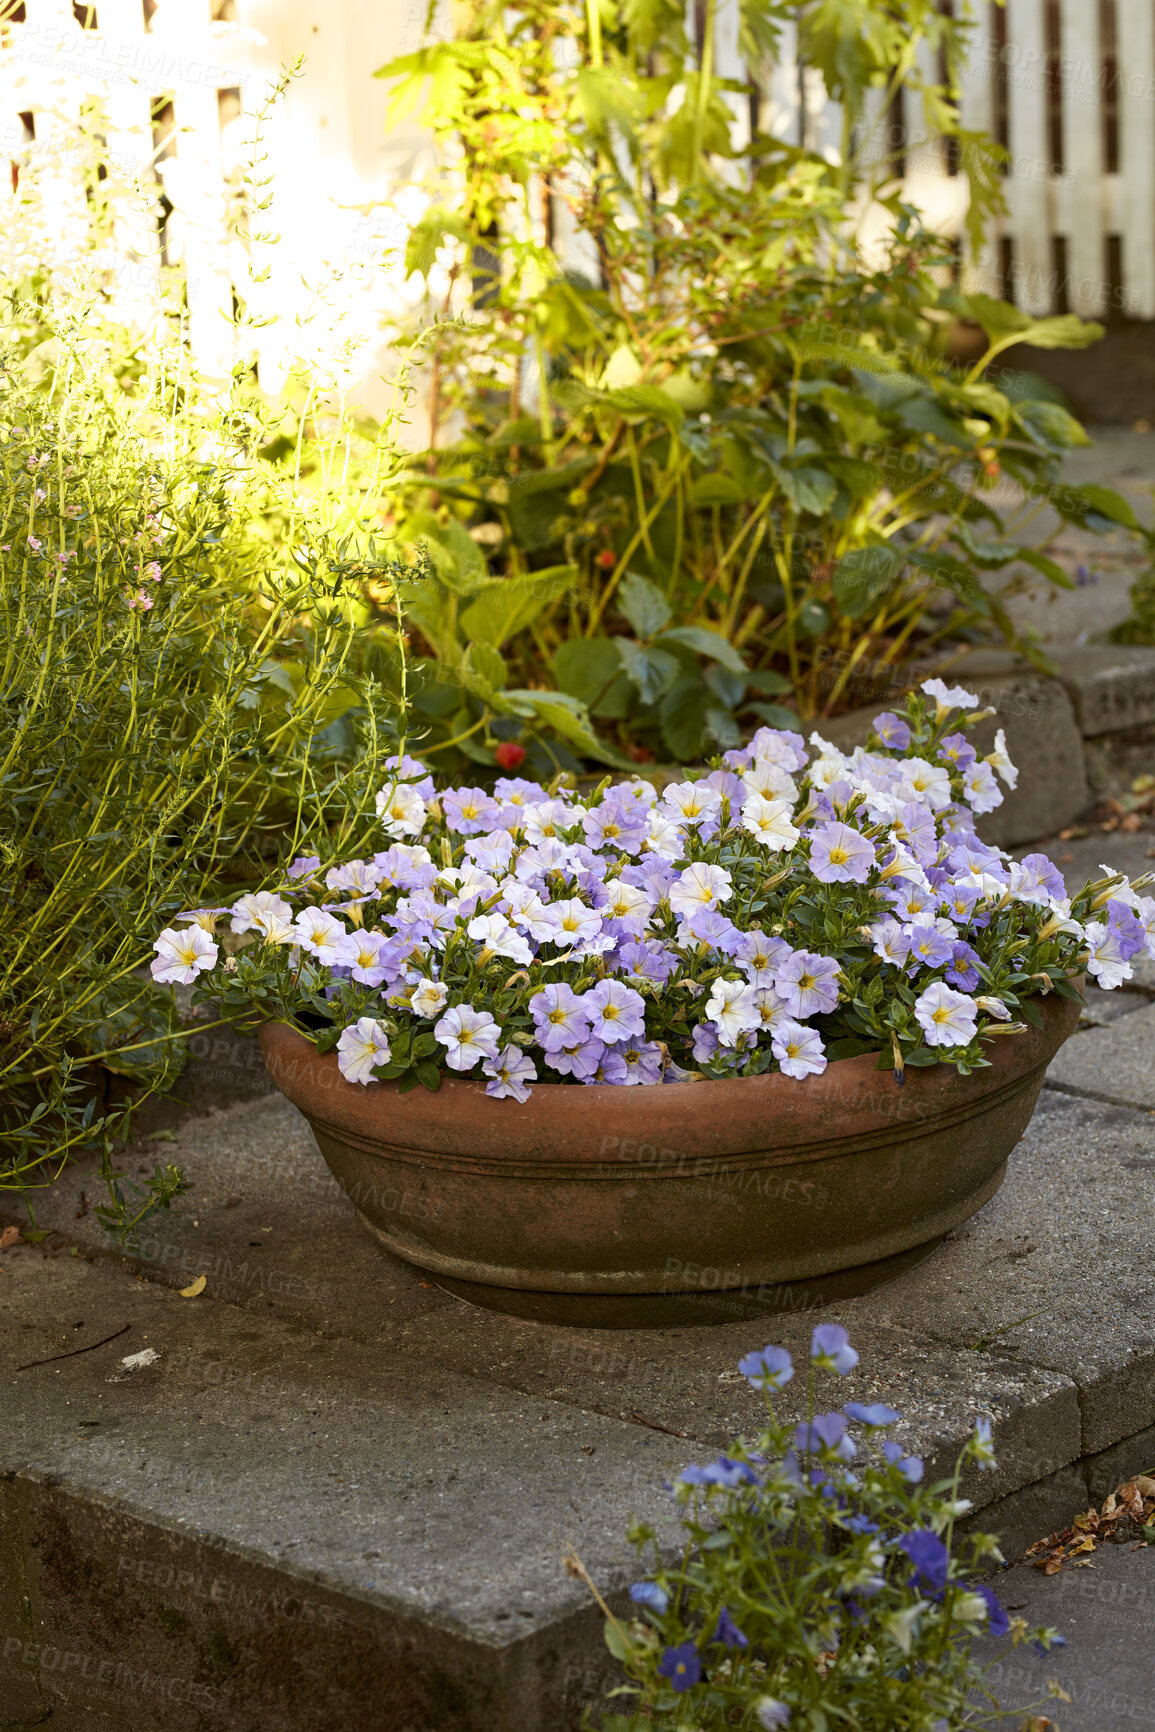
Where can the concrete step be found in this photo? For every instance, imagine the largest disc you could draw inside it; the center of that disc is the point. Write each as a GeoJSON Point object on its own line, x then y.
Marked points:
{"type": "Point", "coordinates": [337, 1495]}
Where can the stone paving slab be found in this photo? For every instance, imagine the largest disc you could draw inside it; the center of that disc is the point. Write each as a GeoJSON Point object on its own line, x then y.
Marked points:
{"type": "Point", "coordinates": [1116, 1063]}
{"type": "Point", "coordinates": [1104, 1613]}
{"type": "Point", "coordinates": [1056, 1268]}
{"type": "Point", "coordinates": [429, 1508]}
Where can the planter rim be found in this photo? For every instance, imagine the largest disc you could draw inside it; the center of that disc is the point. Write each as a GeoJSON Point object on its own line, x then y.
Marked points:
{"type": "Point", "coordinates": [736, 1119]}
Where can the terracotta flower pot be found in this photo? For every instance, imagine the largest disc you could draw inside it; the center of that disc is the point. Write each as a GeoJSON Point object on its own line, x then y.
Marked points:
{"type": "Point", "coordinates": [694, 1202]}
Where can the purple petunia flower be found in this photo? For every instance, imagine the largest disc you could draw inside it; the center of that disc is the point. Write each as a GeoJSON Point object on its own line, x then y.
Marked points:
{"type": "Point", "coordinates": [771, 1368]}
{"type": "Point", "coordinates": [710, 926]}
{"type": "Point", "coordinates": [616, 1012]}
{"type": "Point", "coordinates": [681, 1665]}
{"type": "Point", "coordinates": [892, 731]}
{"type": "Point", "coordinates": [830, 1346]}
{"type": "Point", "coordinates": [956, 751]}
{"type": "Point", "coordinates": [559, 1017]}
{"type": "Point", "coordinates": [963, 971]}
{"type": "Point", "coordinates": [728, 1633]}
{"type": "Point", "coordinates": [932, 941]}
{"type": "Point", "coordinates": [468, 811]}
{"type": "Point", "coordinates": [705, 1045]}
{"type": "Point", "coordinates": [808, 983]}
{"type": "Point", "coordinates": [580, 1061]}
{"type": "Point", "coordinates": [1129, 933]}
{"type": "Point", "coordinates": [840, 854]}
{"type": "Point", "coordinates": [643, 1061]}
{"type": "Point", "coordinates": [645, 960]}
{"type": "Point", "coordinates": [930, 1558]}
{"type": "Point", "coordinates": [610, 1069]}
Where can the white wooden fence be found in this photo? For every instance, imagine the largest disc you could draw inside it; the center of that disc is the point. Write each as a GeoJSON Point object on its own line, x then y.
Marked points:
{"type": "Point", "coordinates": [1067, 85]}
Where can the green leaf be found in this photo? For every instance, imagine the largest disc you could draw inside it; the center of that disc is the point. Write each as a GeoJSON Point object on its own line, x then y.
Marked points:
{"type": "Point", "coordinates": [507, 607]}
{"type": "Point", "coordinates": [1049, 425]}
{"type": "Point", "coordinates": [456, 558]}
{"type": "Point", "coordinates": [652, 670]}
{"type": "Point", "coordinates": [807, 488]}
{"type": "Point", "coordinates": [483, 670]}
{"type": "Point", "coordinates": [707, 643]}
{"type": "Point", "coordinates": [953, 574]}
{"type": "Point", "coordinates": [1049, 567]}
{"type": "Point", "coordinates": [643, 604]}
{"type": "Point", "coordinates": [864, 575]}
{"type": "Point", "coordinates": [615, 1640]}
{"type": "Point", "coordinates": [1005, 325]}
{"type": "Point", "coordinates": [1106, 503]}
{"type": "Point", "coordinates": [683, 717]}
{"type": "Point", "coordinates": [997, 318]}
{"type": "Point", "coordinates": [569, 718]}
{"type": "Point", "coordinates": [717, 490]}
{"type": "Point", "coordinates": [590, 669]}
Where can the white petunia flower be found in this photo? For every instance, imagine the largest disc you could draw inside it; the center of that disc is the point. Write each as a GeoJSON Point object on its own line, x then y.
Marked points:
{"type": "Point", "coordinates": [924, 781]}
{"type": "Point", "coordinates": [182, 953]}
{"type": "Point", "coordinates": [401, 810]}
{"type": "Point", "coordinates": [771, 780]}
{"type": "Point", "coordinates": [363, 1045]}
{"type": "Point", "coordinates": [948, 697]}
{"type": "Point", "coordinates": [264, 913]}
{"type": "Point", "coordinates": [495, 934]}
{"type": "Point", "coordinates": [771, 821]}
{"type": "Point", "coordinates": [321, 935]}
{"type": "Point", "coordinates": [700, 886]}
{"type": "Point", "coordinates": [575, 922]}
{"type": "Point", "coordinates": [733, 1009]}
{"type": "Point", "coordinates": [428, 997]}
{"type": "Point", "coordinates": [980, 789]}
{"type": "Point", "coordinates": [999, 761]}
{"type": "Point", "coordinates": [947, 1018]}
{"type": "Point", "coordinates": [690, 802]}
{"type": "Point", "coordinates": [627, 904]}
{"type": "Point", "coordinates": [467, 1035]}
{"type": "Point", "coordinates": [663, 836]}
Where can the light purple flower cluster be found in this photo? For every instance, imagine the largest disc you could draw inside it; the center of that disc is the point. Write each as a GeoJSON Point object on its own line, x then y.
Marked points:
{"type": "Point", "coordinates": [634, 937]}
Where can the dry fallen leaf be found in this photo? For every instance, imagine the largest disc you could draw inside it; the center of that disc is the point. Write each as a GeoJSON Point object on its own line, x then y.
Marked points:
{"type": "Point", "coordinates": [198, 1286]}
{"type": "Point", "coordinates": [1144, 1485]}
{"type": "Point", "coordinates": [8, 1237]}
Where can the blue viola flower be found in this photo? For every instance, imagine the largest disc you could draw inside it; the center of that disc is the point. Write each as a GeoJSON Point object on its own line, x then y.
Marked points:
{"type": "Point", "coordinates": [876, 1414]}
{"type": "Point", "coordinates": [724, 1472]}
{"type": "Point", "coordinates": [909, 1466]}
{"type": "Point", "coordinates": [830, 1346]}
{"type": "Point", "coordinates": [997, 1621]}
{"type": "Point", "coordinates": [681, 1666]}
{"type": "Point", "coordinates": [728, 1632]}
{"type": "Point", "coordinates": [930, 1558]}
{"type": "Point", "coordinates": [649, 1594]}
{"type": "Point", "coordinates": [860, 1524]}
{"type": "Point", "coordinates": [771, 1368]}
{"type": "Point", "coordinates": [825, 1431]}
{"type": "Point", "coordinates": [772, 1714]}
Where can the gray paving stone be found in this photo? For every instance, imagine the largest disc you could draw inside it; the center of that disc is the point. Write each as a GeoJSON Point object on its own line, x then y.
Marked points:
{"type": "Point", "coordinates": [1111, 686]}
{"type": "Point", "coordinates": [1056, 1269]}
{"type": "Point", "coordinates": [355, 1481]}
{"type": "Point", "coordinates": [1104, 1614]}
{"type": "Point", "coordinates": [1103, 1008]}
{"type": "Point", "coordinates": [1116, 1063]}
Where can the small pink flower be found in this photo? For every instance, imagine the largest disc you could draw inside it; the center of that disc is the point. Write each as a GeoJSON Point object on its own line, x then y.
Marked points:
{"type": "Point", "coordinates": [152, 571]}
{"type": "Point", "coordinates": [34, 544]}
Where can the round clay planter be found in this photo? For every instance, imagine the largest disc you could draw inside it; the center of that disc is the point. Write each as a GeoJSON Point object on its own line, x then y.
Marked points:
{"type": "Point", "coordinates": [695, 1202]}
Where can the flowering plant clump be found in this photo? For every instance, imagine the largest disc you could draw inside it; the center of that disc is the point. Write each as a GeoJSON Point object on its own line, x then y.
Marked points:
{"type": "Point", "coordinates": [787, 908]}
{"type": "Point", "coordinates": [821, 1584]}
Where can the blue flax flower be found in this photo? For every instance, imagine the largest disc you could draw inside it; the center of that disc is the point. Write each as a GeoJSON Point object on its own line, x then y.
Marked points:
{"type": "Point", "coordinates": [721, 1472]}
{"type": "Point", "coordinates": [997, 1621]}
{"type": "Point", "coordinates": [909, 1466]}
{"type": "Point", "coordinates": [649, 1594]}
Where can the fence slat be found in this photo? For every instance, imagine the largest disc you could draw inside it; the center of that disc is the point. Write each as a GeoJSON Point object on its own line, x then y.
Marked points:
{"type": "Point", "coordinates": [1079, 203]}
{"type": "Point", "coordinates": [1028, 185]}
{"type": "Point", "coordinates": [1135, 189]}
